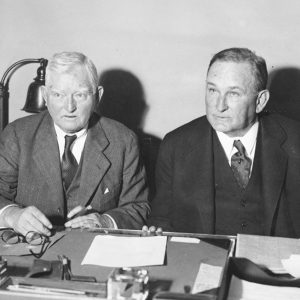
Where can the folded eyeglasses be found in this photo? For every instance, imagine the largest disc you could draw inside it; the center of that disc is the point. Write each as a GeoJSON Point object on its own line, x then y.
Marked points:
{"type": "Point", "coordinates": [10, 237]}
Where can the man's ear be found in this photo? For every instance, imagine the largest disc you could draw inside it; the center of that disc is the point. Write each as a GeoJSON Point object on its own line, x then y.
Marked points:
{"type": "Point", "coordinates": [44, 93]}
{"type": "Point", "coordinates": [100, 92]}
{"type": "Point", "coordinates": [262, 100]}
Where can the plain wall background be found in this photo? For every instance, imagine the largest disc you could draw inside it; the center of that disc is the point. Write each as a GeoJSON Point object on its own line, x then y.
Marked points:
{"type": "Point", "coordinates": [165, 44]}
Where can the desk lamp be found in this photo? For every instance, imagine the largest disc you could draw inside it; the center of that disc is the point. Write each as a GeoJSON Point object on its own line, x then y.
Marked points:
{"type": "Point", "coordinates": [34, 101]}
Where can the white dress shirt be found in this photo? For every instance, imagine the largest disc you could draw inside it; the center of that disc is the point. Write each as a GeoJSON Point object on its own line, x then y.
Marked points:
{"type": "Point", "coordinates": [76, 147]}
{"type": "Point", "coordinates": [248, 140]}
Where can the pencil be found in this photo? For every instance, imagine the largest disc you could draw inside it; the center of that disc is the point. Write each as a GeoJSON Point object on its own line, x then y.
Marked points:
{"type": "Point", "coordinates": [81, 212]}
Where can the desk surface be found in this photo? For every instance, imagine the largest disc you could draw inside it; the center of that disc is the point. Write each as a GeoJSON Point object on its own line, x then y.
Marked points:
{"type": "Point", "coordinates": [181, 268]}
{"type": "Point", "coordinates": [267, 251]}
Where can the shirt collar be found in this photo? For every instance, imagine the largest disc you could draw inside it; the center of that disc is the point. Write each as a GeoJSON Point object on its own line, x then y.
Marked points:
{"type": "Point", "coordinates": [248, 140]}
{"type": "Point", "coordinates": [61, 134]}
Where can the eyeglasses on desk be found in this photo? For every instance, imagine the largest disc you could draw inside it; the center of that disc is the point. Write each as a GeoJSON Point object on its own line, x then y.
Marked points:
{"type": "Point", "coordinates": [11, 237]}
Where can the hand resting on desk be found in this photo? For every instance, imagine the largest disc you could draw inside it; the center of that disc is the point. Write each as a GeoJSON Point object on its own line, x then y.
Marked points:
{"type": "Point", "coordinates": [23, 220]}
{"type": "Point", "coordinates": [152, 230]}
{"type": "Point", "coordinates": [85, 217]}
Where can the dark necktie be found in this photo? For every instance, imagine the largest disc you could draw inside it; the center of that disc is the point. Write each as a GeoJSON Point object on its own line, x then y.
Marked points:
{"type": "Point", "coordinates": [240, 164]}
{"type": "Point", "coordinates": [68, 164]}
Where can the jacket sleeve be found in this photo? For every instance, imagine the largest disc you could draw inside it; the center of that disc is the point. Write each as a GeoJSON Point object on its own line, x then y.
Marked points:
{"type": "Point", "coordinates": [133, 207]}
{"type": "Point", "coordinates": [162, 202]}
{"type": "Point", "coordinates": [9, 166]}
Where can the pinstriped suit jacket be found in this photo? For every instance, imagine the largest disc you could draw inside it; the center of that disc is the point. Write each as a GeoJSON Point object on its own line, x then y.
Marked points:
{"type": "Point", "coordinates": [113, 178]}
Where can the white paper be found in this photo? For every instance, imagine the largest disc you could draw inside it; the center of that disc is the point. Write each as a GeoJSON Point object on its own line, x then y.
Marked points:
{"type": "Point", "coordinates": [178, 239]}
{"type": "Point", "coordinates": [292, 265]}
{"type": "Point", "coordinates": [119, 251]}
{"type": "Point", "coordinates": [246, 290]}
{"type": "Point", "coordinates": [208, 278]}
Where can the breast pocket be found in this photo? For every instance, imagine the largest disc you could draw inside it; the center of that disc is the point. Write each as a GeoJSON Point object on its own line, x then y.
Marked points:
{"type": "Point", "coordinates": [106, 198]}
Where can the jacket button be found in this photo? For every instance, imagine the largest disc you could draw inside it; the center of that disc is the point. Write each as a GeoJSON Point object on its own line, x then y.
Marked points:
{"type": "Point", "coordinates": [58, 210]}
{"type": "Point", "coordinates": [244, 225]}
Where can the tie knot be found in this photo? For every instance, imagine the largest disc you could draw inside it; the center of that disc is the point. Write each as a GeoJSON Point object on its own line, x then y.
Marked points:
{"type": "Point", "coordinates": [239, 146]}
{"type": "Point", "coordinates": [69, 139]}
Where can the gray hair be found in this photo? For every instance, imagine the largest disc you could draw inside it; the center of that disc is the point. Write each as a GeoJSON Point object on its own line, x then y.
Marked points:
{"type": "Point", "coordinates": [65, 61]}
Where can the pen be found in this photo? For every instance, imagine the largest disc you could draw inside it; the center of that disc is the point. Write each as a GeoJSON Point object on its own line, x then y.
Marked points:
{"type": "Point", "coordinates": [81, 212]}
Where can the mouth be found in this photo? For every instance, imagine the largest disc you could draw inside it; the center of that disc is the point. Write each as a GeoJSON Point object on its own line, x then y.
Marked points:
{"type": "Point", "coordinates": [221, 117]}
{"type": "Point", "coordinates": [69, 117]}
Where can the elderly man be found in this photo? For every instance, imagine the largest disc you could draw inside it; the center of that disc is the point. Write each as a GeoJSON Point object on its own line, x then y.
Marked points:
{"type": "Point", "coordinates": [235, 170]}
{"type": "Point", "coordinates": [68, 160]}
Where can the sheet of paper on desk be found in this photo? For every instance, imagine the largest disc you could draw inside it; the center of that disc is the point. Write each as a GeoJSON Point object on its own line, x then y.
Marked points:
{"type": "Point", "coordinates": [292, 265]}
{"type": "Point", "coordinates": [246, 290]}
{"type": "Point", "coordinates": [120, 251]}
{"type": "Point", "coordinates": [267, 250]}
{"type": "Point", "coordinates": [189, 240]}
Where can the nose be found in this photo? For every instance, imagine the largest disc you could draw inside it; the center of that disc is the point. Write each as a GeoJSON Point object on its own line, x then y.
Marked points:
{"type": "Point", "coordinates": [222, 103]}
{"type": "Point", "coordinates": [70, 103]}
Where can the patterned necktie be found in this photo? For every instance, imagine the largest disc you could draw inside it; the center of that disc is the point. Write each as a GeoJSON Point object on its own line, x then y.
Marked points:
{"type": "Point", "coordinates": [68, 164]}
{"type": "Point", "coordinates": [240, 164]}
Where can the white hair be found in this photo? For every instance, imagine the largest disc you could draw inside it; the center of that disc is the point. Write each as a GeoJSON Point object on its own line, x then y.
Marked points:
{"type": "Point", "coordinates": [65, 61]}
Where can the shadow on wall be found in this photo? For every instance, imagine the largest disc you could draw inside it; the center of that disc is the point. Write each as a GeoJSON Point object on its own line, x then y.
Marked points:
{"type": "Point", "coordinates": [124, 100]}
{"type": "Point", "coordinates": [284, 86]}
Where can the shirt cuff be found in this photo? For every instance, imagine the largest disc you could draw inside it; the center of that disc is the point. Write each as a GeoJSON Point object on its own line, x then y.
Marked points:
{"type": "Point", "coordinates": [3, 209]}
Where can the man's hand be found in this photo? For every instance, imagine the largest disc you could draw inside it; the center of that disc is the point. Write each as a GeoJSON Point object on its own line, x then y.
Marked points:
{"type": "Point", "coordinates": [26, 219]}
{"type": "Point", "coordinates": [81, 217]}
{"type": "Point", "coordinates": [152, 230]}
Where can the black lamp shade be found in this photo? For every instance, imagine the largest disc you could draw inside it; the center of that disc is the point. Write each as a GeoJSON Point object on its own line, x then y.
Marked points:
{"type": "Point", "coordinates": [34, 101]}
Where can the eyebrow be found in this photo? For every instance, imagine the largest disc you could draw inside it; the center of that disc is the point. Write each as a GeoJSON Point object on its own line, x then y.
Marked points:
{"type": "Point", "coordinates": [234, 87]}
{"type": "Point", "coordinates": [211, 83]}
{"type": "Point", "coordinates": [83, 89]}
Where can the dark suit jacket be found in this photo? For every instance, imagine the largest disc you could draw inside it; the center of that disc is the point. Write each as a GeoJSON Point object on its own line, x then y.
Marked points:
{"type": "Point", "coordinates": [112, 179]}
{"type": "Point", "coordinates": [185, 180]}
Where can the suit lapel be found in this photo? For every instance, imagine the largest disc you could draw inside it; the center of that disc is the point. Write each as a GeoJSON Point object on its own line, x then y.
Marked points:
{"type": "Point", "coordinates": [273, 163]}
{"type": "Point", "coordinates": [46, 156]}
{"type": "Point", "coordinates": [200, 165]}
{"type": "Point", "coordinates": [95, 164]}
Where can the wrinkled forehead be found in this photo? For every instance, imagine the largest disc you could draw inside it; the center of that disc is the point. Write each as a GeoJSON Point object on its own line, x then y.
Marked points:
{"type": "Point", "coordinates": [231, 73]}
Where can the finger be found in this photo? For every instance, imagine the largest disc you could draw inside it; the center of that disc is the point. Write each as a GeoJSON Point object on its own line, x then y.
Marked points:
{"type": "Point", "coordinates": [86, 221]}
{"type": "Point", "coordinates": [35, 225]}
{"type": "Point", "coordinates": [145, 228]}
{"type": "Point", "coordinates": [74, 211]}
{"type": "Point", "coordinates": [81, 224]}
{"type": "Point", "coordinates": [159, 231]}
{"type": "Point", "coordinates": [42, 218]}
{"type": "Point", "coordinates": [148, 230]}
{"type": "Point", "coordinates": [40, 222]}
{"type": "Point", "coordinates": [77, 222]}
{"type": "Point", "coordinates": [35, 220]}
{"type": "Point", "coordinates": [152, 229]}
{"type": "Point", "coordinates": [30, 219]}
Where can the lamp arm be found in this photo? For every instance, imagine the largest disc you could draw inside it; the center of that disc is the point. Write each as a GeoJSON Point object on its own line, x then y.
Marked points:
{"type": "Point", "coordinates": [19, 64]}
{"type": "Point", "coordinates": [4, 94]}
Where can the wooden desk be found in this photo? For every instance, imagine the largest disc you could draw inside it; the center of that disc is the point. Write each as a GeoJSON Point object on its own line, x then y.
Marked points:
{"type": "Point", "coordinates": [182, 260]}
